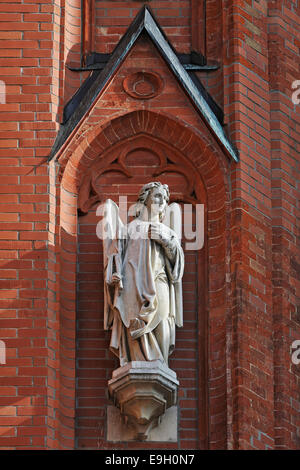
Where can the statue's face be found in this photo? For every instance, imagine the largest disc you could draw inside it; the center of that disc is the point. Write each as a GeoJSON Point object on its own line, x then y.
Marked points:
{"type": "Point", "coordinates": [156, 201]}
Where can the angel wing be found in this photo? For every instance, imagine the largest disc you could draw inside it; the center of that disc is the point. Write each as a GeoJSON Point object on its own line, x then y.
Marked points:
{"type": "Point", "coordinates": [112, 232]}
{"type": "Point", "coordinates": [173, 219]}
{"type": "Point", "coordinates": [111, 227]}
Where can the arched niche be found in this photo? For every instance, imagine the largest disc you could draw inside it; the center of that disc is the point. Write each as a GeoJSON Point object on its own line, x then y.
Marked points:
{"type": "Point", "coordinates": [106, 158]}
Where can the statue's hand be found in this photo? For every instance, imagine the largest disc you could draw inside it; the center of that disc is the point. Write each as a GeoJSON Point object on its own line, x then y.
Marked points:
{"type": "Point", "coordinates": [116, 280]}
{"type": "Point", "coordinates": [160, 234]}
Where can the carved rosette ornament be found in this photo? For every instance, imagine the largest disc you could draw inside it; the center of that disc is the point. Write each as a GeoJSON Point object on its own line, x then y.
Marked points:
{"type": "Point", "coordinates": [143, 85]}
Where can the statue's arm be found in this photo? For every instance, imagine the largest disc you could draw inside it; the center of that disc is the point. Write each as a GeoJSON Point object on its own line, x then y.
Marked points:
{"type": "Point", "coordinates": [112, 234]}
{"type": "Point", "coordinates": [113, 271]}
{"type": "Point", "coordinates": [171, 247]}
{"type": "Point", "coordinates": [167, 239]}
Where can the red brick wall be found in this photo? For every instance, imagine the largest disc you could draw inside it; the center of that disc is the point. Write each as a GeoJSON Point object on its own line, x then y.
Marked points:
{"type": "Point", "coordinates": [247, 107]}
{"type": "Point", "coordinates": [284, 43]}
{"type": "Point", "coordinates": [258, 75]}
{"type": "Point", "coordinates": [27, 129]}
{"type": "Point", "coordinates": [249, 363]}
{"type": "Point", "coordinates": [70, 45]}
{"type": "Point", "coordinates": [113, 18]}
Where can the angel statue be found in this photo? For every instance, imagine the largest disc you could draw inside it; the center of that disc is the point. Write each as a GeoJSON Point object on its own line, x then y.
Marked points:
{"type": "Point", "coordinates": [143, 268]}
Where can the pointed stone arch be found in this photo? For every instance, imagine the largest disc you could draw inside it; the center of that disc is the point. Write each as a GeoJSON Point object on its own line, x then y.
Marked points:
{"type": "Point", "coordinates": [212, 167]}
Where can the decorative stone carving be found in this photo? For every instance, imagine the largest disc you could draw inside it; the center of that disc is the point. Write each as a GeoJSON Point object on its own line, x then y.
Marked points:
{"type": "Point", "coordinates": [143, 391]}
{"type": "Point", "coordinates": [143, 85]}
{"type": "Point", "coordinates": [143, 269]}
{"type": "Point", "coordinates": [118, 431]}
{"type": "Point", "coordinates": [169, 162]}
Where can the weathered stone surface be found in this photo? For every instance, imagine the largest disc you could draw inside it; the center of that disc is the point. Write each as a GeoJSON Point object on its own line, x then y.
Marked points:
{"type": "Point", "coordinates": [143, 391]}
{"type": "Point", "coordinates": [118, 431]}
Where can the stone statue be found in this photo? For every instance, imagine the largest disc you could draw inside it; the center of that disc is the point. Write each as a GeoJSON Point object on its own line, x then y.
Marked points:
{"type": "Point", "coordinates": [143, 268]}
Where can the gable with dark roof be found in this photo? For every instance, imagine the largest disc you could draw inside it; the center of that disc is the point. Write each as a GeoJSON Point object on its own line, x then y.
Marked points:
{"type": "Point", "coordinates": [144, 23]}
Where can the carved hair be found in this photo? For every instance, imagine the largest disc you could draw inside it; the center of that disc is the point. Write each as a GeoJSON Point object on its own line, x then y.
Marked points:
{"type": "Point", "coordinates": [144, 193]}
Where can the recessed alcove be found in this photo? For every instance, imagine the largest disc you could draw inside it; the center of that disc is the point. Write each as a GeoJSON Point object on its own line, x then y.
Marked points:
{"type": "Point", "coordinates": [95, 363]}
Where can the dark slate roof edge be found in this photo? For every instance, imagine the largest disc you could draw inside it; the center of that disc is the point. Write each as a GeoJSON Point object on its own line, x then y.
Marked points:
{"type": "Point", "coordinates": [74, 102]}
{"type": "Point", "coordinates": [210, 100]}
{"type": "Point", "coordinates": [145, 21]}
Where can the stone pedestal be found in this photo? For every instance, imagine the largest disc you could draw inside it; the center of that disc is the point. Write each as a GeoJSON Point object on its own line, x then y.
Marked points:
{"type": "Point", "coordinates": [143, 391]}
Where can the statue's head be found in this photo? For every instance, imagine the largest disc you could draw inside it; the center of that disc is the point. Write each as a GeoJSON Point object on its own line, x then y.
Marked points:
{"type": "Point", "coordinates": [155, 196]}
